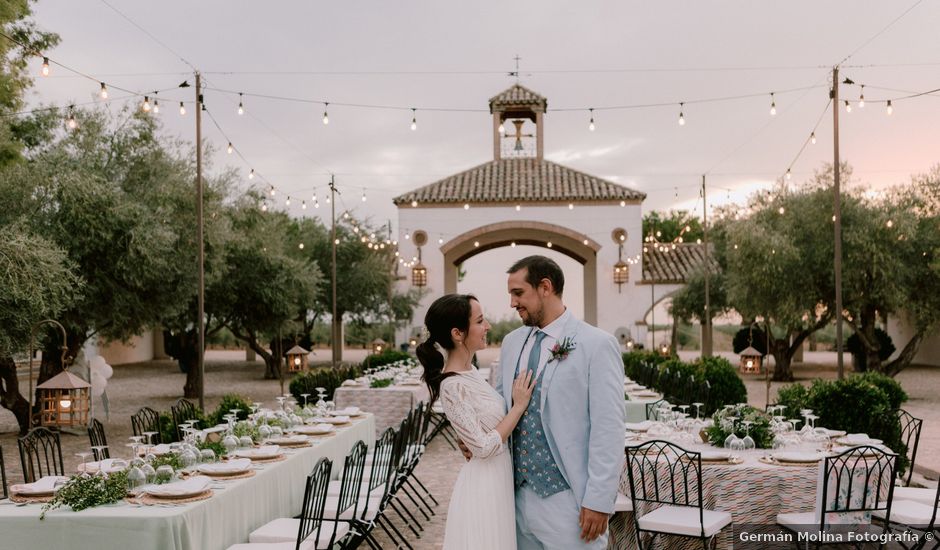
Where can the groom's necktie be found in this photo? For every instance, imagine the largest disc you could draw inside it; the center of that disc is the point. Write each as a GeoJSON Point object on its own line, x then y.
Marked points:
{"type": "Point", "coordinates": [535, 353]}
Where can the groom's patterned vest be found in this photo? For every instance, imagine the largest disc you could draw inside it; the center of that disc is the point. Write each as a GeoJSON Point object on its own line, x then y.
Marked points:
{"type": "Point", "coordinates": [533, 464]}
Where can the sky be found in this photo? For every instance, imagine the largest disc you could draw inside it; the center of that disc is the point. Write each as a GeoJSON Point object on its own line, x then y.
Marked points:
{"type": "Point", "coordinates": [454, 56]}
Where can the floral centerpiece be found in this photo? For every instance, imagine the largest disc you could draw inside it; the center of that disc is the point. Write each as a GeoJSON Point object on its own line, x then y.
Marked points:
{"type": "Point", "coordinates": [84, 491]}
{"type": "Point", "coordinates": [731, 420]}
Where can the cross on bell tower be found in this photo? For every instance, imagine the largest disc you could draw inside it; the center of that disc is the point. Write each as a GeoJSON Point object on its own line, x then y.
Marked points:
{"type": "Point", "coordinates": [519, 105]}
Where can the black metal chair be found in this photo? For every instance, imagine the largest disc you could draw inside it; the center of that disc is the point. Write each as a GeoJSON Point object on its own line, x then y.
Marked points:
{"type": "Point", "coordinates": [652, 409]}
{"type": "Point", "coordinates": [40, 454]}
{"type": "Point", "coordinates": [147, 420]}
{"type": "Point", "coordinates": [3, 474]}
{"type": "Point", "coordinates": [858, 481]}
{"type": "Point", "coordinates": [182, 411]}
{"type": "Point", "coordinates": [666, 491]}
{"type": "Point", "coordinates": [98, 438]}
{"type": "Point", "coordinates": [910, 432]}
{"type": "Point", "coordinates": [919, 515]}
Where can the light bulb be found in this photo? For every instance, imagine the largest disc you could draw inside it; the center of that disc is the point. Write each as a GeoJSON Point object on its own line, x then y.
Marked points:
{"type": "Point", "coordinates": [264, 207]}
{"type": "Point", "coordinates": [45, 66]}
{"type": "Point", "coordinates": [812, 138]}
{"type": "Point", "coordinates": [466, 206]}
{"type": "Point", "coordinates": [848, 107]}
{"type": "Point", "coordinates": [502, 129]}
{"type": "Point", "coordinates": [326, 114]}
{"type": "Point", "coordinates": [363, 196]}
{"type": "Point", "coordinates": [773, 105]}
{"type": "Point", "coordinates": [287, 202]}
{"type": "Point", "coordinates": [251, 174]}
{"type": "Point", "coordinates": [440, 240]}
{"type": "Point", "coordinates": [241, 106]}
{"type": "Point", "coordinates": [104, 91]}
{"type": "Point", "coordinates": [518, 207]}
{"type": "Point", "coordinates": [623, 203]}
{"type": "Point", "coordinates": [570, 206]}
{"type": "Point", "coordinates": [300, 246]}
{"type": "Point", "coordinates": [145, 106]}
{"type": "Point", "coordinates": [156, 107]}
{"type": "Point", "coordinates": [889, 109]}
{"type": "Point", "coordinates": [681, 116]}
{"type": "Point", "coordinates": [182, 108]}
{"type": "Point", "coordinates": [782, 210]}
{"type": "Point", "coordinates": [272, 191]}
{"type": "Point", "coordinates": [549, 244]}
{"type": "Point", "coordinates": [414, 120]}
{"type": "Point", "coordinates": [230, 148]}
{"type": "Point", "coordinates": [414, 204]}
{"type": "Point", "coordinates": [789, 176]}
{"type": "Point", "coordinates": [303, 205]}
{"type": "Point", "coordinates": [65, 403]}
{"type": "Point", "coordinates": [591, 124]}
{"type": "Point", "coordinates": [861, 98]}
{"type": "Point", "coordinates": [71, 122]}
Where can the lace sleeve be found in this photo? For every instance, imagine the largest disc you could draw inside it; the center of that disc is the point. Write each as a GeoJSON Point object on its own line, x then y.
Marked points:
{"type": "Point", "coordinates": [458, 406]}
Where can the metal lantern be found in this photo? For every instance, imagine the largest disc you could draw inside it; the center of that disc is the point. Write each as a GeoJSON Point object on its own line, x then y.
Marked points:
{"type": "Point", "coordinates": [297, 359]}
{"type": "Point", "coordinates": [750, 360]}
{"type": "Point", "coordinates": [378, 345]}
{"type": "Point", "coordinates": [621, 272]}
{"type": "Point", "coordinates": [664, 350]}
{"type": "Point", "coordinates": [64, 401]}
{"type": "Point", "coordinates": [419, 275]}
{"type": "Point", "coordinates": [621, 268]}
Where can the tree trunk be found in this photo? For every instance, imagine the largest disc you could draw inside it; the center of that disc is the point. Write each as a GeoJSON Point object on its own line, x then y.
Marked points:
{"type": "Point", "coordinates": [780, 349]}
{"type": "Point", "coordinates": [336, 341]}
{"type": "Point", "coordinates": [10, 396]}
{"type": "Point", "coordinates": [907, 355]}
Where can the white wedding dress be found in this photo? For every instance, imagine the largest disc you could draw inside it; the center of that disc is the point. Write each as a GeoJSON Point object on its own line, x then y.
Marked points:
{"type": "Point", "coordinates": [482, 512]}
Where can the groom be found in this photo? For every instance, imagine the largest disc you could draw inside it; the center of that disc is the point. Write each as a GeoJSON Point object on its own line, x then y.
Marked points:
{"type": "Point", "coordinates": [568, 448]}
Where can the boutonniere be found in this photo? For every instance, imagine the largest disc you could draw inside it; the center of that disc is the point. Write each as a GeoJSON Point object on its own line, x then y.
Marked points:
{"type": "Point", "coordinates": [561, 350]}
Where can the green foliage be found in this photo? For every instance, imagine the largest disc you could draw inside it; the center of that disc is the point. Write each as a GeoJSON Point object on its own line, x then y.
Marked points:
{"type": "Point", "coordinates": [168, 459]}
{"type": "Point", "coordinates": [794, 397]}
{"type": "Point", "coordinates": [669, 226]}
{"type": "Point", "coordinates": [322, 378]}
{"type": "Point", "coordinates": [380, 359]}
{"type": "Point", "coordinates": [167, 428]}
{"type": "Point", "coordinates": [381, 383]}
{"type": "Point", "coordinates": [83, 492]}
{"type": "Point", "coordinates": [726, 386]}
{"type": "Point", "coordinates": [759, 430]}
{"type": "Point", "coordinates": [896, 394]}
{"type": "Point", "coordinates": [216, 447]}
{"type": "Point", "coordinates": [229, 401]}
{"type": "Point", "coordinates": [243, 428]}
{"type": "Point", "coordinates": [750, 337]}
{"type": "Point", "coordinates": [499, 329]}
{"type": "Point", "coordinates": [689, 302]}
{"type": "Point", "coordinates": [633, 360]}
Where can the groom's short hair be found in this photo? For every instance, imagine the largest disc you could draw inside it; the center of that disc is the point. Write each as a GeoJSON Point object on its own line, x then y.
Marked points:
{"type": "Point", "coordinates": [538, 268]}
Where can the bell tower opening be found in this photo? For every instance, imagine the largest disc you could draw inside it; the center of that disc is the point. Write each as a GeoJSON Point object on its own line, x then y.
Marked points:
{"type": "Point", "coordinates": [520, 106]}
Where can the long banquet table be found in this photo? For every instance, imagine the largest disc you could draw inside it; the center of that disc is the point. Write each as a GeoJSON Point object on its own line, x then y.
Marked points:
{"type": "Point", "coordinates": [276, 490]}
{"type": "Point", "coordinates": [390, 405]}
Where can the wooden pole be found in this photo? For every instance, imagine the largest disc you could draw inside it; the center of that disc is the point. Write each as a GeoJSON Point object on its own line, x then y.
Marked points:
{"type": "Point", "coordinates": [707, 320]}
{"type": "Point", "coordinates": [837, 212]}
{"type": "Point", "coordinates": [201, 300]}
{"type": "Point", "coordinates": [337, 346]}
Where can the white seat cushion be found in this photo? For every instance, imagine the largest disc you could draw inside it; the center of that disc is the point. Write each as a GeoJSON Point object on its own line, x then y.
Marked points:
{"type": "Point", "coordinates": [308, 545]}
{"type": "Point", "coordinates": [908, 512]}
{"type": "Point", "coordinates": [333, 489]}
{"type": "Point", "coordinates": [917, 494]}
{"type": "Point", "coordinates": [799, 520]}
{"type": "Point", "coordinates": [332, 503]}
{"type": "Point", "coordinates": [285, 530]}
{"type": "Point", "coordinates": [682, 520]}
{"type": "Point", "coordinates": [623, 503]}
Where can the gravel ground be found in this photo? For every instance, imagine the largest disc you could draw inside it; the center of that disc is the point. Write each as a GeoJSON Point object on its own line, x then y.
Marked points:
{"type": "Point", "coordinates": [158, 384]}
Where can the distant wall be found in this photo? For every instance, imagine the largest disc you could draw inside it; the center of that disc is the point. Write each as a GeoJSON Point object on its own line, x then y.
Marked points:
{"type": "Point", "coordinates": [137, 349]}
{"type": "Point", "coordinates": [900, 331]}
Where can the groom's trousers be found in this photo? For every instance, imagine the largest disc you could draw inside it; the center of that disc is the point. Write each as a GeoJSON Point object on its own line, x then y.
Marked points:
{"type": "Point", "coordinates": [551, 522]}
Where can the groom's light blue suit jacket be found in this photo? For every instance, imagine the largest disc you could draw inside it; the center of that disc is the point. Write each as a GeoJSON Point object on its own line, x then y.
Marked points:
{"type": "Point", "coordinates": [582, 409]}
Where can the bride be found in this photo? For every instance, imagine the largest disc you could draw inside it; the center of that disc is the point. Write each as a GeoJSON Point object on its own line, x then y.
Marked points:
{"type": "Point", "coordinates": [482, 510]}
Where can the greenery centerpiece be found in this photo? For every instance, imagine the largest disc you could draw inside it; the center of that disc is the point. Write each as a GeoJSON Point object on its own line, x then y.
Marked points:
{"type": "Point", "coordinates": [381, 383]}
{"type": "Point", "coordinates": [759, 430]}
{"type": "Point", "coordinates": [84, 491]}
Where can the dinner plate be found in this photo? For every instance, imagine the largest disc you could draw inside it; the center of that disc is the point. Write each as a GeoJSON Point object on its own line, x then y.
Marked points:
{"type": "Point", "coordinates": [235, 466]}
{"type": "Point", "coordinates": [316, 429]}
{"type": "Point", "coordinates": [855, 442]}
{"type": "Point", "coordinates": [180, 489]}
{"type": "Point", "coordinates": [645, 393]}
{"type": "Point", "coordinates": [638, 426]}
{"type": "Point", "coordinates": [336, 419]}
{"type": "Point", "coordinates": [262, 452]}
{"type": "Point", "coordinates": [348, 411]}
{"type": "Point", "coordinates": [41, 487]}
{"type": "Point", "coordinates": [794, 456]}
{"type": "Point", "coordinates": [715, 456]}
{"type": "Point", "coordinates": [410, 383]}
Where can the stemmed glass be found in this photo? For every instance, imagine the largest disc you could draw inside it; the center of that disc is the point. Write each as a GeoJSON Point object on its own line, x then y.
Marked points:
{"type": "Point", "coordinates": [135, 444]}
{"type": "Point", "coordinates": [84, 456]}
{"type": "Point", "coordinates": [732, 440]}
{"type": "Point", "coordinates": [280, 402]}
{"type": "Point", "coordinates": [698, 410]}
{"type": "Point", "coordinates": [806, 413]}
{"type": "Point", "coordinates": [748, 440]}
{"type": "Point", "coordinates": [99, 450]}
{"type": "Point", "coordinates": [305, 396]}
{"type": "Point", "coordinates": [136, 478]}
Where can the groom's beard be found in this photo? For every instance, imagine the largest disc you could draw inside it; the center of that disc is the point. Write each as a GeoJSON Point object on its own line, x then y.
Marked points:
{"type": "Point", "coordinates": [533, 318]}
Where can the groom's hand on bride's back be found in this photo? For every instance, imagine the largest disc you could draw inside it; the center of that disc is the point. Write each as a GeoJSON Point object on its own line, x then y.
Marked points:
{"type": "Point", "coordinates": [464, 449]}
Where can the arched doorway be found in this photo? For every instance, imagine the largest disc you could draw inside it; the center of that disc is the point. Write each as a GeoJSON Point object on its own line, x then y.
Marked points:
{"type": "Point", "coordinates": [577, 246]}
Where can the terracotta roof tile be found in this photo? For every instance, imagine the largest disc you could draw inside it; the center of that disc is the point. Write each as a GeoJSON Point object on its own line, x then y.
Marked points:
{"type": "Point", "coordinates": [517, 95]}
{"type": "Point", "coordinates": [674, 265]}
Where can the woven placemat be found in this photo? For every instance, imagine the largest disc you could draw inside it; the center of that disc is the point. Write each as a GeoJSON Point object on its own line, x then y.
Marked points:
{"type": "Point", "coordinates": [733, 461]}
{"type": "Point", "coordinates": [771, 461]}
{"type": "Point", "coordinates": [295, 444]}
{"type": "Point", "coordinates": [227, 477]}
{"type": "Point", "coordinates": [276, 458]}
{"type": "Point", "coordinates": [151, 500]}
{"type": "Point", "coordinates": [28, 499]}
{"type": "Point", "coordinates": [327, 434]}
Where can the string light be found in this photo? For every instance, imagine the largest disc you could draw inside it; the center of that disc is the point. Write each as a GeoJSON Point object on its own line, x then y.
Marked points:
{"type": "Point", "coordinates": [681, 115]}
{"type": "Point", "coordinates": [414, 120]}
{"type": "Point", "coordinates": [848, 106]}
{"type": "Point", "coordinates": [789, 175]}
{"type": "Point", "coordinates": [782, 210]}
{"type": "Point", "coordinates": [326, 114]}
{"type": "Point", "coordinates": [414, 204]}
{"type": "Point", "coordinates": [889, 109]}
{"type": "Point", "coordinates": [287, 202]}
{"type": "Point", "coordinates": [440, 240]}
{"type": "Point", "coordinates": [145, 106]}
{"type": "Point", "coordinates": [623, 203]}
{"type": "Point", "coordinates": [272, 191]}
{"type": "Point", "coordinates": [549, 244]}
{"type": "Point", "coordinates": [230, 148]}
{"type": "Point", "coordinates": [861, 98]}
{"type": "Point", "coordinates": [71, 122]}
{"type": "Point", "coordinates": [182, 108]}
{"type": "Point", "coordinates": [773, 105]}
{"type": "Point", "coordinates": [241, 106]}
{"type": "Point", "coordinates": [570, 206]}
{"type": "Point", "coordinates": [45, 66]}
{"type": "Point", "coordinates": [251, 175]}
{"type": "Point", "coordinates": [300, 246]}
{"type": "Point", "coordinates": [812, 138]}
{"type": "Point", "coordinates": [363, 195]}
{"type": "Point", "coordinates": [501, 129]}
{"type": "Point", "coordinates": [156, 105]}
{"type": "Point", "coordinates": [303, 205]}
{"type": "Point", "coordinates": [518, 207]}
{"type": "Point", "coordinates": [466, 206]}
{"type": "Point", "coordinates": [264, 206]}
{"type": "Point", "coordinates": [591, 124]}
{"type": "Point", "coordinates": [104, 91]}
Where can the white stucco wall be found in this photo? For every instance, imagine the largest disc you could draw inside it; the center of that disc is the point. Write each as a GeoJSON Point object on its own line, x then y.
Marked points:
{"type": "Point", "coordinates": [137, 349]}
{"type": "Point", "coordinates": [595, 222]}
{"type": "Point", "coordinates": [900, 331]}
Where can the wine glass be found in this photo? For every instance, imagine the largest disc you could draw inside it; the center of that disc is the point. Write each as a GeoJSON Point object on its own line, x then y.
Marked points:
{"type": "Point", "coordinates": [165, 474]}
{"type": "Point", "coordinates": [84, 456]}
{"type": "Point", "coordinates": [149, 472]}
{"type": "Point", "coordinates": [748, 441]}
{"type": "Point", "coordinates": [98, 450]}
{"type": "Point", "coordinates": [206, 456]}
{"type": "Point", "coordinates": [230, 442]}
{"type": "Point", "coordinates": [305, 396]}
{"type": "Point", "coordinates": [189, 457]}
{"type": "Point", "coordinates": [698, 409]}
{"type": "Point", "coordinates": [136, 478]}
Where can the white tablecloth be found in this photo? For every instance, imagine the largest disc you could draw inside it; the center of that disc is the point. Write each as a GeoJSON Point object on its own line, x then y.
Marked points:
{"type": "Point", "coordinates": [227, 518]}
{"type": "Point", "coordinates": [390, 405]}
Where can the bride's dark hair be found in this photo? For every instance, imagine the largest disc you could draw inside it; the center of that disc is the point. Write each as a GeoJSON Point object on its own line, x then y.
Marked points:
{"type": "Point", "coordinates": [451, 311]}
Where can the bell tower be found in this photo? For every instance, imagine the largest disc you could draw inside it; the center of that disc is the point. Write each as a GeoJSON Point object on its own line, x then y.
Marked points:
{"type": "Point", "coordinates": [518, 123]}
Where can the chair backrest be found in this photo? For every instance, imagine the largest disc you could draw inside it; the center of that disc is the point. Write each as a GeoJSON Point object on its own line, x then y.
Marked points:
{"type": "Point", "coordinates": [383, 468]}
{"type": "Point", "coordinates": [182, 411]}
{"type": "Point", "coordinates": [3, 474]}
{"type": "Point", "coordinates": [311, 514]}
{"type": "Point", "coordinates": [40, 454]}
{"type": "Point", "coordinates": [652, 409]}
{"type": "Point", "coordinates": [98, 438]}
{"type": "Point", "coordinates": [350, 484]}
{"type": "Point", "coordinates": [147, 420]}
{"type": "Point", "coordinates": [860, 479]}
{"type": "Point", "coordinates": [663, 473]}
{"type": "Point", "coordinates": [910, 437]}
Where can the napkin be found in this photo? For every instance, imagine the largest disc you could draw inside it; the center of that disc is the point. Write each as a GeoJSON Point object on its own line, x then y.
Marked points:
{"type": "Point", "coordinates": [350, 383]}
{"type": "Point", "coordinates": [317, 429]}
{"type": "Point", "coordinates": [715, 455]}
{"type": "Point", "coordinates": [638, 426]}
{"type": "Point", "coordinates": [160, 449]}
{"type": "Point", "coordinates": [286, 440]}
{"type": "Point", "coordinates": [264, 451]}
{"type": "Point", "coordinates": [43, 486]}
{"type": "Point", "coordinates": [192, 486]}
{"type": "Point", "coordinates": [797, 456]}
{"type": "Point", "coordinates": [856, 438]}
{"type": "Point", "coordinates": [348, 411]}
{"type": "Point", "coordinates": [645, 393]}
{"type": "Point", "coordinates": [231, 467]}
{"type": "Point", "coordinates": [337, 420]}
